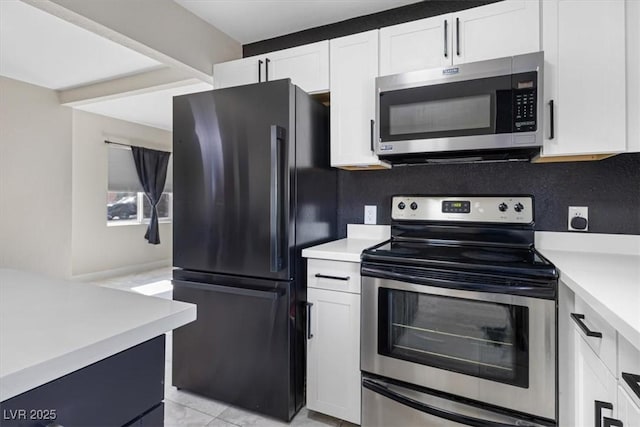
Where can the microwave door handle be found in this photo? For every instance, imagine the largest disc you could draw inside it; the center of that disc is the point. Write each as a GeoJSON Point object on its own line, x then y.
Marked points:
{"type": "Point", "coordinates": [380, 388]}
{"type": "Point", "coordinates": [373, 123]}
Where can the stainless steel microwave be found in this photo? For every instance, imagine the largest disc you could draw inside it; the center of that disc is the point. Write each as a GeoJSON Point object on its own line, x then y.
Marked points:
{"type": "Point", "coordinates": [481, 111]}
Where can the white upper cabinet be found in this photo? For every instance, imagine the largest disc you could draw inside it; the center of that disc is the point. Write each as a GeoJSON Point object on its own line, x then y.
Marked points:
{"type": "Point", "coordinates": [584, 46]}
{"type": "Point", "coordinates": [307, 66]}
{"type": "Point", "coordinates": [239, 72]}
{"type": "Point", "coordinates": [633, 75]}
{"type": "Point", "coordinates": [628, 411]}
{"type": "Point", "coordinates": [506, 28]}
{"type": "Point", "coordinates": [416, 45]}
{"type": "Point", "coordinates": [354, 67]}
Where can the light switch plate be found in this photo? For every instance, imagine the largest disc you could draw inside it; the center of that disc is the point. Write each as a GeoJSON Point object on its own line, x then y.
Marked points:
{"type": "Point", "coordinates": [370, 214]}
{"type": "Point", "coordinates": [581, 211]}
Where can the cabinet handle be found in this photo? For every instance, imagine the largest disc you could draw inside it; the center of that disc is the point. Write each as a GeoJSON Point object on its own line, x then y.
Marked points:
{"type": "Point", "coordinates": [551, 116]}
{"type": "Point", "coordinates": [633, 381]}
{"type": "Point", "coordinates": [599, 406]}
{"type": "Point", "coordinates": [608, 422]}
{"type": "Point", "coordinates": [588, 332]}
{"type": "Point", "coordinates": [458, 36]}
{"type": "Point", "coordinates": [324, 276]}
{"type": "Point", "coordinates": [266, 68]}
{"type": "Point", "coordinates": [309, 334]}
{"type": "Point", "coordinates": [372, 126]}
{"type": "Point", "coordinates": [446, 53]}
{"type": "Point", "coordinates": [259, 70]}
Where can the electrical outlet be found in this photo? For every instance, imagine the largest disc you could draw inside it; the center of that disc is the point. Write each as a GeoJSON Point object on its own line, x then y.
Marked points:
{"type": "Point", "coordinates": [370, 214]}
{"type": "Point", "coordinates": [578, 218]}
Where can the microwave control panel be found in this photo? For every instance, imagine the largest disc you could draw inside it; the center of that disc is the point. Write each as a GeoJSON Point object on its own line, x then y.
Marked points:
{"type": "Point", "coordinates": [525, 102]}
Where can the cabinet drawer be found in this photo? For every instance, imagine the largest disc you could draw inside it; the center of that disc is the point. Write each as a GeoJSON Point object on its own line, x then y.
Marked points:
{"type": "Point", "coordinates": [629, 369]}
{"type": "Point", "coordinates": [333, 275]}
{"type": "Point", "coordinates": [605, 347]}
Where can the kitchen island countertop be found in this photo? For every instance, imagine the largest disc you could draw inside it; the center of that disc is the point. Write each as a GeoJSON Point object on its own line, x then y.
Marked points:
{"type": "Point", "coordinates": [52, 327]}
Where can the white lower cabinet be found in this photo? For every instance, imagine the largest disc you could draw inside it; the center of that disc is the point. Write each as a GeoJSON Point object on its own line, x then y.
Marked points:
{"type": "Point", "coordinates": [333, 354]}
{"type": "Point", "coordinates": [595, 386]}
{"type": "Point", "coordinates": [628, 411]}
{"type": "Point", "coordinates": [593, 361]}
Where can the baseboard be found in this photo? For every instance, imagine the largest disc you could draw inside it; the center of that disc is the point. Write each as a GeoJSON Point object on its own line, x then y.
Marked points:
{"type": "Point", "coordinates": [122, 271]}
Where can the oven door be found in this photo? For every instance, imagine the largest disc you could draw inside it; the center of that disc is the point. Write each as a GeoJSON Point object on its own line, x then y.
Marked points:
{"type": "Point", "coordinates": [494, 348]}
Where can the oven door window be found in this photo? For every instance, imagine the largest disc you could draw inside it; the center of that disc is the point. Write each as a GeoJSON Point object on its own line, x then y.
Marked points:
{"type": "Point", "coordinates": [478, 338]}
{"type": "Point", "coordinates": [474, 107]}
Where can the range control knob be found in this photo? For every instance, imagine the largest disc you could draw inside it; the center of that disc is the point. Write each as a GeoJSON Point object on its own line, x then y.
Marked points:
{"type": "Point", "coordinates": [503, 207]}
{"type": "Point", "coordinates": [518, 207]}
{"type": "Point", "coordinates": [413, 206]}
{"type": "Point", "coordinates": [401, 205]}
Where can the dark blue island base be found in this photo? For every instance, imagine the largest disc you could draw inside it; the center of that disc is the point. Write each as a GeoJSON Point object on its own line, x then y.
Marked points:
{"type": "Point", "coordinates": [126, 389]}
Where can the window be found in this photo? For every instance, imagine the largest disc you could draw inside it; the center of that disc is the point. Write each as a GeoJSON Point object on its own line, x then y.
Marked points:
{"type": "Point", "coordinates": [126, 201]}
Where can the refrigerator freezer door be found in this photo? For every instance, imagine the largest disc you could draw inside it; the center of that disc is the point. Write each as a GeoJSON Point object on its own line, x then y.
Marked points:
{"type": "Point", "coordinates": [238, 350]}
{"type": "Point", "coordinates": [232, 189]}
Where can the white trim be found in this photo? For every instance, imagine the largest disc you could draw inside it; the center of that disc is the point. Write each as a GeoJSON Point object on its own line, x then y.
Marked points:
{"type": "Point", "coordinates": [122, 271]}
{"type": "Point", "coordinates": [368, 231]}
{"type": "Point", "coordinates": [623, 244]}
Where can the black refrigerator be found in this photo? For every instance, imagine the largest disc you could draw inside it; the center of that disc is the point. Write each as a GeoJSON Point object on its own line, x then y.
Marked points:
{"type": "Point", "coordinates": [252, 188]}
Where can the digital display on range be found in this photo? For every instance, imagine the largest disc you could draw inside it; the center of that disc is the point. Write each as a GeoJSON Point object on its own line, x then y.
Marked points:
{"type": "Point", "coordinates": [456, 206]}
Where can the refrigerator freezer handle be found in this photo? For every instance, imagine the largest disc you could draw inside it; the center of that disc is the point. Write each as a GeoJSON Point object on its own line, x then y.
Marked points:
{"type": "Point", "coordinates": [276, 200]}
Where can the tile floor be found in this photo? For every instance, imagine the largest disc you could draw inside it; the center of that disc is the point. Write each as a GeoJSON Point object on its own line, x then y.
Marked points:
{"type": "Point", "coordinates": [185, 409]}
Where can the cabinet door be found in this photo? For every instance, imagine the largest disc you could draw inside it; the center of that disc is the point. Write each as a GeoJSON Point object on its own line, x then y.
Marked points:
{"type": "Point", "coordinates": [628, 411]}
{"type": "Point", "coordinates": [633, 75]}
{"type": "Point", "coordinates": [416, 45]}
{"type": "Point", "coordinates": [506, 28]}
{"type": "Point", "coordinates": [584, 45]}
{"type": "Point", "coordinates": [593, 384]}
{"type": "Point", "coordinates": [239, 72]}
{"type": "Point", "coordinates": [333, 354]}
{"type": "Point", "coordinates": [307, 66]}
{"type": "Point", "coordinates": [354, 67]}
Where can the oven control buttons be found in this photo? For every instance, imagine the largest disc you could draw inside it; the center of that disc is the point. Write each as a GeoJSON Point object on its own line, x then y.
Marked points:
{"type": "Point", "coordinates": [401, 205]}
{"type": "Point", "coordinates": [518, 207]}
{"type": "Point", "coordinates": [503, 207]}
{"type": "Point", "coordinates": [413, 206]}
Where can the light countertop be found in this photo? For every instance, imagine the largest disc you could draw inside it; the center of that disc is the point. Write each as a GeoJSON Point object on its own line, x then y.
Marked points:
{"type": "Point", "coordinates": [603, 270]}
{"type": "Point", "coordinates": [52, 327]}
{"type": "Point", "coordinates": [359, 238]}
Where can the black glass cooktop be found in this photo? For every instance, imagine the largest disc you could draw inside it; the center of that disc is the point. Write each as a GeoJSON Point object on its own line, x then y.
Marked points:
{"type": "Point", "coordinates": [525, 261]}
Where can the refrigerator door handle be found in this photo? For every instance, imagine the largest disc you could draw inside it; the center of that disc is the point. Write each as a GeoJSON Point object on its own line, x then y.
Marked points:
{"type": "Point", "coordinates": [276, 189]}
{"type": "Point", "coordinates": [273, 294]}
{"type": "Point", "coordinates": [380, 388]}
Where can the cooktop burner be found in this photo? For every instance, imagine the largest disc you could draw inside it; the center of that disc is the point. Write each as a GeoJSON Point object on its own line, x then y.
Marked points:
{"type": "Point", "coordinates": [484, 235]}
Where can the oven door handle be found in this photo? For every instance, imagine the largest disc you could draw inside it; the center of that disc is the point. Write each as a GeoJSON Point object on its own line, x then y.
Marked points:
{"type": "Point", "coordinates": [437, 412]}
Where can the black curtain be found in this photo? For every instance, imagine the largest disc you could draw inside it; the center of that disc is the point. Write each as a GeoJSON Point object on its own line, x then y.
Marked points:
{"type": "Point", "coordinates": [151, 166]}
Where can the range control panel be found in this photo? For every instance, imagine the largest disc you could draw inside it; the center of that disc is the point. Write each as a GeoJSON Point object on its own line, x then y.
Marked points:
{"type": "Point", "coordinates": [505, 209]}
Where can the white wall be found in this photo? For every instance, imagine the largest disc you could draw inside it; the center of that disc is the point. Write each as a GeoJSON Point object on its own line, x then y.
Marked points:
{"type": "Point", "coordinates": [35, 180]}
{"type": "Point", "coordinates": [95, 246]}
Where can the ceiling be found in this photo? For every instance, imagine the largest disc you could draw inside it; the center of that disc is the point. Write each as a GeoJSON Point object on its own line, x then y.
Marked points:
{"type": "Point", "coordinates": [151, 109]}
{"type": "Point", "coordinates": [44, 50]}
{"type": "Point", "coordinates": [61, 55]}
{"type": "Point", "coordinates": [249, 21]}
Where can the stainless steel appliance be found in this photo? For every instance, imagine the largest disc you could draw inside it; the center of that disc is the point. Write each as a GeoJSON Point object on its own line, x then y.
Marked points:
{"type": "Point", "coordinates": [459, 316]}
{"type": "Point", "coordinates": [481, 111]}
{"type": "Point", "coordinates": [247, 162]}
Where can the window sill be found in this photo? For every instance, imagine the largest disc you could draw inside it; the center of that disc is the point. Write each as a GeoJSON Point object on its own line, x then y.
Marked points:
{"type": "Point", "coordinates": [134, 222]}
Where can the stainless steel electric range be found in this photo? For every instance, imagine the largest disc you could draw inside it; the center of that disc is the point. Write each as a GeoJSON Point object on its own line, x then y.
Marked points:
{"type": "Point", "coordinates": [459, 317]}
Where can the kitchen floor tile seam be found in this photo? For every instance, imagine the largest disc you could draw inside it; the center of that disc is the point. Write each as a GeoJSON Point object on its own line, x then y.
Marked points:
{"type": "Point", "coordinates": [223, 420]}
{"type": "Point", "coordinates": [192, 408]}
